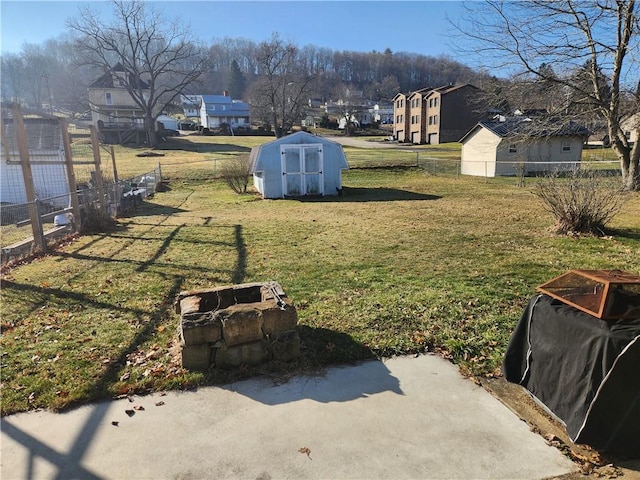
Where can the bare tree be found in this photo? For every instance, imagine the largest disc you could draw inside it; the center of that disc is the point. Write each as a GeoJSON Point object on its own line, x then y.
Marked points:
{"type": "Point", "coordinates": [163, 55]}
{"type": "Point", "coordinates": [12, 77]}
{"type": "Point", "coordinates": [550, 40]}
{"type": "Point", "coordinates": [283, 87]}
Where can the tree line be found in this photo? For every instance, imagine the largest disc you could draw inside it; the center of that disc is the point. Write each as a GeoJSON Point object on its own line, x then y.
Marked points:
{"type": "Point", "coordinates": [572, 59]}
{"type": "Point", "coordinates": [55, 72]}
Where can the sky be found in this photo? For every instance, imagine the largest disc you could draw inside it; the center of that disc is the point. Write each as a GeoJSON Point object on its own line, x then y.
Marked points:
{"type": "Point", "coordinates": [364, 26]}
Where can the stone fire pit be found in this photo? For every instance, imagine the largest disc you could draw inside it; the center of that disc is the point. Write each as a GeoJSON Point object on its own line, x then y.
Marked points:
{"type": "Point", "coordinates": [226, 327]}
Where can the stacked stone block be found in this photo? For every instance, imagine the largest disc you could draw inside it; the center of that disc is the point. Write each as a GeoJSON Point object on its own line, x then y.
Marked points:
{"type": "Point", "coordinates": [226, 327]}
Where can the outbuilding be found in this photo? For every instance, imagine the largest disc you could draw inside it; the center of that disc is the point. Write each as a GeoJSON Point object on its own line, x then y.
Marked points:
{"type": "Point", "coordinates": [168, 123]}
{"type": "Point", "coordinates": [521, 147]}
{"type": "Point", "coordinates": [296, 165]}
{"type": "Point", "coordinates": [46, 158]}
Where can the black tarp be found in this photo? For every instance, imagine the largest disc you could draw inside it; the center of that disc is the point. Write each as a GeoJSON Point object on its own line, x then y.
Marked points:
{"type": "Point", "coordinates": [586, 371]}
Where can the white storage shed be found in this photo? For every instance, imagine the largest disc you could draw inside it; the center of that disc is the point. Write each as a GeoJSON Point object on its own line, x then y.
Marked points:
{"type": "Point", "coordinates": [520, 146]}
{"type": "Point", "coordinates": [297, 165]}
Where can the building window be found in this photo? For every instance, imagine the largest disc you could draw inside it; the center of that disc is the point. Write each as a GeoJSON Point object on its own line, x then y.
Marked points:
{"type": "Point", "coordinates": [435, 119]}
{"type": "Point", "coordinates": [107, 98]}
{"type": "Point", "coordinates": [430, 120]}
{"type": "Point", "coordinates": [430, 102]}
{"type": "Point", "coordinates": [435, 102]}
{"type": "Point", "coordinates": [566, 146]}
{"type": "Point", "coordinates": [513, 148]}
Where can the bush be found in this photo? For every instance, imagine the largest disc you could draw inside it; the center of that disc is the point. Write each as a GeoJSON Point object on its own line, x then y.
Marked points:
{"type": "Point", "coordinates": [95, 220]}
{"type": "Point", "coordinates": [236, 173]}
{"type": "Point", "coordinates": [581, 201]}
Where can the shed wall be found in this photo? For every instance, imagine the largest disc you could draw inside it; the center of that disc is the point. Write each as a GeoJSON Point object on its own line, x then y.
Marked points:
{"type": "Point", "coordinates": [267, 168]}
{"type": "Point", "coordinates": [479, 154]}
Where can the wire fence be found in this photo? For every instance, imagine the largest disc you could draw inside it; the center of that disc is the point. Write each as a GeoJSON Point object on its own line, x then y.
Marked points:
{"type": "Point", "coordinates": [454, 167]}
{"type": "Point", "coordinates": [54, 178]}
{"type": "Point", "coordinates": [54, 173]}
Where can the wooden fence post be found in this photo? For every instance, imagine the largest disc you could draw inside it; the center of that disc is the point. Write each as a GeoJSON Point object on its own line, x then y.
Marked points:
{"type": "Point", "coordinates": [27, 174]}
{"type": "Point", "coordinates": [95, 144]}
{"type": "Point", "coordinates": [117, 188]}
{"type": "Point", "coordinates": [71, 174]}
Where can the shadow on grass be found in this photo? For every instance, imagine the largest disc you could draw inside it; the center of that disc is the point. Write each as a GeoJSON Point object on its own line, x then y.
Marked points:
{"type": "Point", "coordinates": [631, 234]}
{"type": "Point", "coordinates": [144, 208]}
{"type": "Point", "coordinates": [69, 465]}
{"type": "Point", "coordinates": [240, 269]}
{"type": "Point", "coordinates": [189, 146]}
{"type": "Point", "coordinates": [371, 194]}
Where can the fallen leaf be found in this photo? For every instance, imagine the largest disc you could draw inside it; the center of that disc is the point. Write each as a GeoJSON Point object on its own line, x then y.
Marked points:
{"type": "Point", "coordinates": [115, 424]}
{"type": "Point", "coordinates": [125, 376]}
{"type": "Point", "coordinates": [131, 413]}
{"type": "Point", "coordinates": [160, 403]}
{"type": "Point", "coordinates": [138, 407]}
{"type": "Point", "coordinates": [306, 450]}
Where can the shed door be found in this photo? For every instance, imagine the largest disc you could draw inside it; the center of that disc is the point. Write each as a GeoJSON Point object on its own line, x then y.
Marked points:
{"type": "Point", "coordinates": [302, 170]}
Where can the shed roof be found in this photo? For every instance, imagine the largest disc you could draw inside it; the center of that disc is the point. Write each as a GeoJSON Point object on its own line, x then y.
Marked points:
{"type": "Point", "coordinates": [526, 127]}
{"type": "Point", "coordinates": [298, 138]}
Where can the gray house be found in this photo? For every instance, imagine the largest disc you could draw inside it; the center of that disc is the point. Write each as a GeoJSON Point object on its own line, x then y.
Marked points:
{"type": "Point", "coordinates": [297, 165]}
{"type": "Point", "coordinates": [521, 146]}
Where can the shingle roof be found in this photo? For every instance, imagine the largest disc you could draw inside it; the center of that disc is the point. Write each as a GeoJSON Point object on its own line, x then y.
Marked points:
{"type": "Point", "coordinates": [107, 80]}
{"type": "Point", "coordinates": [232, 107]}
{"type": "Point", "coordinates": [522, 126]}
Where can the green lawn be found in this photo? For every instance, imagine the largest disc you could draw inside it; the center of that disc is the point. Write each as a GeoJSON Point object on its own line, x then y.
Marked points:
{"type": "Point", "coordinates": [403, 262]}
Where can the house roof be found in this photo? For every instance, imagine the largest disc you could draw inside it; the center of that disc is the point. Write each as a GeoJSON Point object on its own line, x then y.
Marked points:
{"type": "Point", "coordinates": [526, 127]}
{"type": "Point", "coordinates": [231, 107]}
{"type": "Point", "coordinates": [631, 121]}
{"type": "Point", "coordinates": [108, 80]}
{"type": "Point", "coordinates": [298, 138]}
{"type": "Point", "coordinates": [443, 90]}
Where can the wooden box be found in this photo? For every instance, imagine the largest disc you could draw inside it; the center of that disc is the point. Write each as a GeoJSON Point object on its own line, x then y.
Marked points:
{"type": "Point", "coordinates": [605, 294]}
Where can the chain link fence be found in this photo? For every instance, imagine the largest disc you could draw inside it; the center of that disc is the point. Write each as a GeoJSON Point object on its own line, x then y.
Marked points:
{"type": "Point", "coordinates": [452, 167]}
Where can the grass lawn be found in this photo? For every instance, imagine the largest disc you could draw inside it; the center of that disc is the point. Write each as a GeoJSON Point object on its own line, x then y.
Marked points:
{"type": "Point", "coordinates": [403, 262]}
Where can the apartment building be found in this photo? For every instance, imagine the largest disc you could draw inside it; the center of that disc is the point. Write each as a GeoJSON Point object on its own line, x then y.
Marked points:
{"type": "Point", "coordinates": [436, 115]}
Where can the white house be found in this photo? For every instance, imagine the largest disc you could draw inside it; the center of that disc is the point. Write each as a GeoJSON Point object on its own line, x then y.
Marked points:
{"type": "Point", "coordinates": [520, 146]}
{"type": "Point", "coordinates": [630, 126]}
{"type": "Point", "coordinates": [47, 158]}
{"type": "Point", "coordinates": [218, 109]}
{"type": "Point", "coordinates": [114, 112]}
{"type": "Point", "coordinates": [297, 165]}
{"type": "Point", "coordinates": [191, 105]}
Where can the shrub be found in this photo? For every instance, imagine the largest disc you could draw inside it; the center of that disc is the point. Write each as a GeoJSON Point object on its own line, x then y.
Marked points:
{"type": "Point", "coordinates": [95, 220]}
{"type": "Point", "coordinates": [236, 173]}
{"type": "Point", "coordinates": [581, 201]}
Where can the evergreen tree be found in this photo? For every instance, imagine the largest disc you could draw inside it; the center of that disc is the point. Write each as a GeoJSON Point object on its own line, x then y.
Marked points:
{"type": "Point", "coordinates": [236, 82]}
